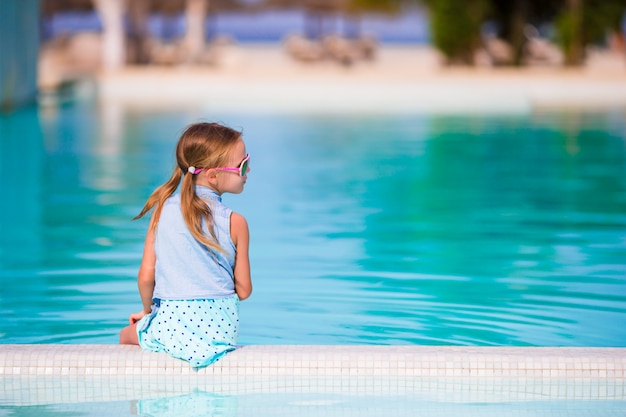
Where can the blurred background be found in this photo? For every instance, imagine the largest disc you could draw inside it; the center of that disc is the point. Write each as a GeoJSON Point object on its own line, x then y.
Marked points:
{"type": "Point", "coordinates": [47, 43]}
{"type": "Point", "coordinates": [427, 172]}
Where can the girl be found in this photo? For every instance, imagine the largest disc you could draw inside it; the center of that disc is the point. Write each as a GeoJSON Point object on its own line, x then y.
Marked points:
{"type": "Point", "coordinates": [195, 267]}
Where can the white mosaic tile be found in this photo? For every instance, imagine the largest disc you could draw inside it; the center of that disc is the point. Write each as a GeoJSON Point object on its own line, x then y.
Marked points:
{"type": "Point", "coordinates": [336, 361]}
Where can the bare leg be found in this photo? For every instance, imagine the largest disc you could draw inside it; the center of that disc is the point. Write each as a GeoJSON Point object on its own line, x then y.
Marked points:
{"type": "Point", "coordinates": [128, 335]}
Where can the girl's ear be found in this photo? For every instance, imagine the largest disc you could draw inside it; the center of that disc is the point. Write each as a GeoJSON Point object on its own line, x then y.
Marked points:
{"type": "Point", "coordinates": [211, 176]}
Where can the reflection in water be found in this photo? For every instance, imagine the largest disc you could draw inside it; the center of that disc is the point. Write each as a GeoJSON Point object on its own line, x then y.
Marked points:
{"type": "Point", "coordinates": [21, 162]}
{"type": "Point", "coordinates": [109, 141]}
{"type": "Point", "coordinates": [198, 403]}
{"type": "Point", "coordinates": [338, 396]}
{"type": "Point", "coordinates": [378, 229]}
{"type": "Point", "coordinates": [21, 216]}
{"type": "Point", "coordinates": [525, 221]}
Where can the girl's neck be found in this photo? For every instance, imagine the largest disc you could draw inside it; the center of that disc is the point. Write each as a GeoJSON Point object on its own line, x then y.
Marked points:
{"type": "Point", "coordinates": [207, 185]}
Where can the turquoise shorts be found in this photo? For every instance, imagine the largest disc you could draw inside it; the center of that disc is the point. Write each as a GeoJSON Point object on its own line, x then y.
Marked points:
{"type": "Point", "coordinates": [197, 331]}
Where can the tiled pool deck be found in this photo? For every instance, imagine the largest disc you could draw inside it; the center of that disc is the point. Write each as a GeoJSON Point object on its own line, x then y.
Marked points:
{"type": "Point", "coordinates": [350, 360]}
{"type": "Point", "coordinates": [36, 374]}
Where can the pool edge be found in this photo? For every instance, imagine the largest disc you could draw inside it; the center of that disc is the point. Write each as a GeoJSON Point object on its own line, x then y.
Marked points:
{"type": "Point", "coordinates": [321, 361]}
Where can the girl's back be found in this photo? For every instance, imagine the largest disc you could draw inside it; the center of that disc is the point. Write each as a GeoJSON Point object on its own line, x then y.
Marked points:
{"type": "Point", "coordinates": [186, 269]}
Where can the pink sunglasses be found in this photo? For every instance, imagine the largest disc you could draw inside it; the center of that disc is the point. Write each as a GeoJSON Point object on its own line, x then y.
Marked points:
{"type": "Point", "coordinates": [242, 168]}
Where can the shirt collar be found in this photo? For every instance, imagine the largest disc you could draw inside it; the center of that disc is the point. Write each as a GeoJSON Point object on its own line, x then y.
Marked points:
{"type": "Point", "coordinates": [207, 193]}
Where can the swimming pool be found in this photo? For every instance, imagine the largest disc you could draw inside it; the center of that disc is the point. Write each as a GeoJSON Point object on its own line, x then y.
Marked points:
{"type": "Point", "coordinates": [390, 229]}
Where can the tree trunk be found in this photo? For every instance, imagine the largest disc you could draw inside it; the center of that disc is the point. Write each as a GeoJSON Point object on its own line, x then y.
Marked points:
{"type": "Point", "coordinates": [195, 14]}
{"type": "Point", "coordinates": [138, 11]}
{"type": "Point", "coordinates": [574, 51]}
{"type": "Point", "coordinates": [517, 38]}
{"type": "Point", "coordinates": [113, 41]}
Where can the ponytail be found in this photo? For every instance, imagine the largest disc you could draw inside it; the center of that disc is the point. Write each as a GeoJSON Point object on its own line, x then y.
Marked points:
{"type": "Point", "coordinates": [158, 197]}
{"type": "Point", "coordinates": [193, 208]}
{"type": "Point", "coordinates": [195, 211]}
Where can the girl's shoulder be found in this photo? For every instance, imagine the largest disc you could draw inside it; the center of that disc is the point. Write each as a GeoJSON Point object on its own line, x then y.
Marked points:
{"type": "Point", "coordinates": [238, 219]}
{"type": "Point", "coordinates": [238, 227]}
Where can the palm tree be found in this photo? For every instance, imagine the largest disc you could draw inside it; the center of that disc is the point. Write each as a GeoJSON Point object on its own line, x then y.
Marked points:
{"type": "Point", "coordinates": [456, 27]}
{"type": "Point", "coordinates": [584, 22]}
{"type": "Point", "coordinates": [196, 14]}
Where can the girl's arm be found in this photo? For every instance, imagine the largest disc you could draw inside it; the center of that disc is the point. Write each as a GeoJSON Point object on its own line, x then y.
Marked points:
{"type": "Point", "coordinates": [241, 238]}
{"type": "Point", "coordinates": [145, 278]}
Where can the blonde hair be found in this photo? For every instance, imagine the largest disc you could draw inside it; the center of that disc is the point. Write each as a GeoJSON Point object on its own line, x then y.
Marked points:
{"type": "Point", "coordinates": [202, 145]}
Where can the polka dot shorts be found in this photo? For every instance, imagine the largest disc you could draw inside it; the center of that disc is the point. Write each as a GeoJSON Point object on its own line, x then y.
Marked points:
{"type": "Point", "coordinates": [197, 331]}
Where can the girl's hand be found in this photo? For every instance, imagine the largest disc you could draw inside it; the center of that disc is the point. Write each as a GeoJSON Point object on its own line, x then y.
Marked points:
{"type": "Point", "coordinates": [135, 317]}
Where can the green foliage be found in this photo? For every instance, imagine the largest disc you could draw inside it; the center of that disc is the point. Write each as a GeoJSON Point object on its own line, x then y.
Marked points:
{"type": "Point", "coordinates": [568, 27]}
{"type": "Point", "coordinates": [455, 27]}
{"type": "Point", "coordinates": [583, 22]}
{"type": "Point", "coordinates": [600, 16]}
{"type": "Point", "coordinates": [455, 24]}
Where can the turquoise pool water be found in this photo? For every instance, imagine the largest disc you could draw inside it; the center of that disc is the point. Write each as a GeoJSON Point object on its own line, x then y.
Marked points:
{"type": "Point", "coordinates": [408, 229]}
{"type": "Point", "coordinates": [200, 403]}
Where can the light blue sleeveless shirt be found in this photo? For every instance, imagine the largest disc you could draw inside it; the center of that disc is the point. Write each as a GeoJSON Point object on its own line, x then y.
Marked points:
{"type": "Point", "coordinates": [186, 269]}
